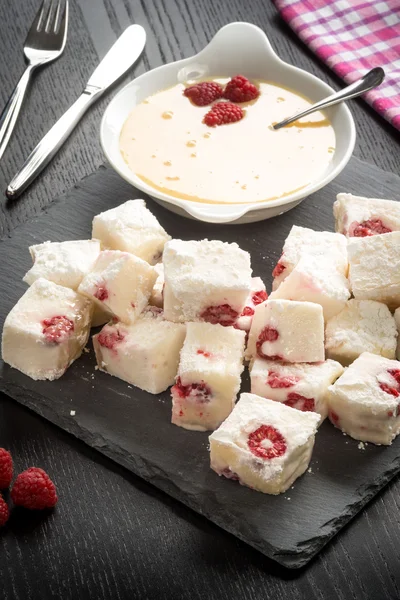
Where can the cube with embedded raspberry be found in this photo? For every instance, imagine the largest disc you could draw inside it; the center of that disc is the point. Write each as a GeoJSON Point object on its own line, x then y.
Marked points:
{"type": "Point", "coordinates": [362, 326]}
{"type": "Point", "coordinates": [303, 241]}
{"type": "Point", "coordinates": [365, 401]}
{"type": "Point", "coordinates": [120, 283]}
{"type": "Point", "coordinates": [397, 321]}
{"type": "Point", "coordinates": [263, 444]}
{"type": "Point", "coordinates": [205, 280]}
{"type": "Point", "coordinates": [131, 227]}
{"type": "Point", "coordinates": [374, 268]}
{"type": "Point", "coordinates": [356, 216]}
{"type": "Point", "coordinates": [208, 379]}
{"type": "Point", "coordinates": [46, 330]}
{"type": "Point", "coordinates": [302, 386]}
{"type": "Point", "coordinates": [157, 294]}
{"type": "Point", "coordinates": [64, 263]}
{"type": "Point", "coordinates": [315, 279]}
{"type": "Point", "coordinates": [257, 295]}
{"type": "Point", "coordinates": [288, 331]}
{"type": "Point", "coordinates": [145, 354]}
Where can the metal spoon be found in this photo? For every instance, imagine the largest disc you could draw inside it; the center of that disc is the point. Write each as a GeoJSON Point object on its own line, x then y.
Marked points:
{"type": "Point", "coordinates": [370, 80]}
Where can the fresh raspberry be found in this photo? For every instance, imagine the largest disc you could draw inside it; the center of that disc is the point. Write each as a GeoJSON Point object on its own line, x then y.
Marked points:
{"type": "Point", "coordinates": [247, 312]}
{"type": "Point", "coordinates": [278, 270]}
{"type": "Point", "coordinates": [4, 512]}
{"type": "Point", "coordinates": [389, 389]}
{"type": "Point", "coordinates": [57, 329]}
{"type": "Point", "coordinates": [101, 293]}
{"type": "Point", "coordinates": [300, 402]}
{"type": "Point", "coordinates": [200, 392]}
{"type": "Point", "coordinates": [229, 474]}
{"type": "Point", "coordinates": [204, 93]}
{"type": "Point", "coordinates": [259, 297]}
{"type": "Point", "coordinates": [333, 417]}
{"type": "Point", "coordinates": [368, 228]}
{"type": "Point", "coordinates": [276, 381]}
{"type": "Point", "coordinates": [276, 446]}
{"type": "Point", "coordinates": [6, 469]}
{"type": "Point", "coordinates": [268, 334]}
{"type": "Point", "coordinates": [34, 489]}
{"type": "Point", "coordinates": [204, 353]}
{"type": "Point", "coordinates": [222, 314]}
{"type": "Point", "coordinates": [109, 339]}
{"type": "Point", "coordinates": [223, 113]}
{"type": "Point", "coordinates": [240, 89]}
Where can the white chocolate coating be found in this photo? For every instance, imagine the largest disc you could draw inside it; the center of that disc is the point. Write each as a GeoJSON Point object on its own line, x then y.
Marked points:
{"type": "Point", "coordinates": [205, 274]}
{"type": "Point", "coordinates": [120, 283]}
{"type": "Point", "coordinates": [302, 386]}
{"type": "Point", "coordinates": [145, 354]}
{"type": "Point", "coordinates": [374, 271]}
{"type": "Point", "coordinates": [397, 320]}
{"type": "Point", "coordinates": [350, 211]}
{"type": "Point", "coordinates": [314, 279]}
{"type": "Point", "coordinates": [64, 263]}
{"type": "Point", "coordinates": [25, 345]}
{"type": "Point", "coordinates": [364, 401]}
{"type": "Point", "coordinates": [302, 241]}
{"type": "Point", "coordinates": [131, 227]}
{"type": "Point", "coordinates": [297, 329]}
{"type": "Point", "coordinates": [231, 454]}
{"type": "Point", "coordinates": [212, 357]}
{"type": "Point", "coordinates": [362, 326]}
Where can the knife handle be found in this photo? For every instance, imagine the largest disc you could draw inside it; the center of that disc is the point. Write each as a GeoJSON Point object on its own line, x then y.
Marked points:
{"type": "Point", "coordinates": [50, 144]}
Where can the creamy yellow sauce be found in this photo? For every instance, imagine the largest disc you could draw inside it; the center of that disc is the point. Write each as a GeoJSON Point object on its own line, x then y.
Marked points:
{"type": "Point", "coordinates": [166, 144]}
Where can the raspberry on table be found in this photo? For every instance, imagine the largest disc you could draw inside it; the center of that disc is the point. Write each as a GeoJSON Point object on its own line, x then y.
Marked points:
{"type": "Point", "coordinates": [33, 489]}
{"type": "Point", "coordinates": [4, 512]}
{"type": "Point", "coordinates": [204, 93]}
{"type": "Point", "coordinates": [223, 113]}
{"type": "Point", "coordinates": [6, 468]}
{"type": "Point", "coordinates": [240, 89]}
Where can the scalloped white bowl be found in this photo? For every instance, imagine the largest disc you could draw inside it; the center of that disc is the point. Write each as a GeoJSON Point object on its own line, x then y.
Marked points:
{"type": "Point", "coordinates": [236, 48]}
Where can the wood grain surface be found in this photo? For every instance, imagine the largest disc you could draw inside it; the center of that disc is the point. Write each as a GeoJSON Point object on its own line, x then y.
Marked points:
{"type": "Point", "coordinates": [114, 536]}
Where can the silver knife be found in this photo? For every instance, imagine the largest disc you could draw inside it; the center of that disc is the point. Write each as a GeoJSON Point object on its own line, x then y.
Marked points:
{"type": "Point", "coordinates": [116, 62]}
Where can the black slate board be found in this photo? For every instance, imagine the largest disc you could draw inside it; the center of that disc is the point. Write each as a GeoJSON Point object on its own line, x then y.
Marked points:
{"type": "Point", "coordinates": [133, 427]}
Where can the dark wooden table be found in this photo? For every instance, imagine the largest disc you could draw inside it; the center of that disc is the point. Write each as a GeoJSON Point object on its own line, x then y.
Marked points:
{"type": "Point", "coordinates": [112, 535]}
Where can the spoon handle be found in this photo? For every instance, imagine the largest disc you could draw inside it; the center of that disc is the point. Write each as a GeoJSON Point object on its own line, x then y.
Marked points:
{"type": "Point", "coordinates": [370, 80]}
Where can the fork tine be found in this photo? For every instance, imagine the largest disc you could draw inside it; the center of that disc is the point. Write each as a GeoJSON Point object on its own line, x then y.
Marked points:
{"type": "Point", "coordinates": [57, 17]}
{"type": "Point", "coordinates": [63, 28]}
{"type": "Point", "coordinates": [39, 18]}
{"type": "Point", "coordinates": [50, 17]}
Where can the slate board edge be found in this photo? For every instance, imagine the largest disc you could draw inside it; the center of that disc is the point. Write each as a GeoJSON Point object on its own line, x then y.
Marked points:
{"type": "Point", "coordinates": [308, 549]}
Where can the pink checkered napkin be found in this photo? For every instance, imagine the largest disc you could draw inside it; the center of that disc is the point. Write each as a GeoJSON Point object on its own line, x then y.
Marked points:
{"type": "Point", "coordinates": [351, 37]}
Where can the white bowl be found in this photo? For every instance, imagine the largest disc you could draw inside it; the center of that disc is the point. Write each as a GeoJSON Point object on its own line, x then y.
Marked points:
{"type": "Point", "coordinates": [236, 48]}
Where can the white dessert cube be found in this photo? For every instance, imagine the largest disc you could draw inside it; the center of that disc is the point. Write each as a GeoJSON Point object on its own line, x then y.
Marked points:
{"type": "Point", "coordinates": [357, 216]}
{"type": "Point", "coordinates": [365, 401]}
{"type": "Point", "coordinates": [302, 386]}
{"type": "Point", "coordinates": [374, 268]}
{"type": "Point", "coordinates": [301, 241]}
{"type": "Point", "coordinates": [287, 330]}
{"type": "Point", "coordinates": [208, 379]}
{"type": "Point", "coordinates": [157, 294]}
{"type": "Point", "coordinates": [46, 330]}
{"type": "Point", "coordinates": [120, 283]}
{"type": "Point", "coordinates": [131, 227]}
{"type": "Point", "coordinates": [257, 295]}
{"type": "Point", "coordinates": [145, 354]}
{"type": "Point", "coordinates": [314, 279]}
{"type": "Point", "coordinates": [205, 280]}
{"type": "Point", "coordinates": [397, 320]}
{"type": "Point", "coordinates": [263, 444]}
{"type": "Point", "coordinates": [362, 326]}
{"type": "Point", "coordinates": [64, 263]}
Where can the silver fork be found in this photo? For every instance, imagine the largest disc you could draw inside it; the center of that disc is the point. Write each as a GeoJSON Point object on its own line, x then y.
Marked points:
{"type": "Point", "coordinates": [44, 43]}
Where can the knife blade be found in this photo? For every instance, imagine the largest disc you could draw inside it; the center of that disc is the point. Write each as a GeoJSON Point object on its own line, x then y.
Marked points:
{"type": "Point", "coordinates": [121, 56]}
